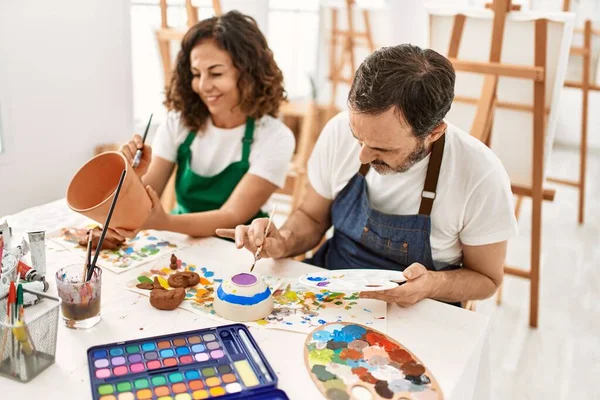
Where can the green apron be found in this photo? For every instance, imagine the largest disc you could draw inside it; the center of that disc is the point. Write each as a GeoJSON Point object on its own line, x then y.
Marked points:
{"type": "Point", "coordinates": [197, 193]}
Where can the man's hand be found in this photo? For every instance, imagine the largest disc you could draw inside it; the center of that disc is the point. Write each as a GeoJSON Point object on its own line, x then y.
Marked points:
{"type": "Point", "coordinates": [253, 235]}
{"type": "Point", "coordinates": [417, 287]}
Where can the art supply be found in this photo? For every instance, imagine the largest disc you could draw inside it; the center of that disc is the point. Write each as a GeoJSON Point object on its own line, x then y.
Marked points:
{"type": "Point", "coordinates": [138, 154]}
{"type": "Point", "coordinates": [243, 297]}
{"type": "Point", "coordinates": [343, 356]}
{"type": "Point", "coordinates": [1, 250]}
{"type": "Point", "coordinates": [37, 245]}
{"type": "Point", "coordinates": [29, 335]}
{"type": "Point", "coordinates": [91, 268]}
{"type": "Point", "coordinates": [200, 364]}
{"type": "Point", "coordinates": [39, 286]}
{"type": "Point", "coordinates": [18, 251]}
{"type": "Point", "coordinates": [27, 273]}
{"type": "Point", "coordinates": [81, 300]}
{"type": "Point", "coordinates": [6, 234]}
{"type": "Point", "coordinates": [353, 280]}
{"type": "Point", "coordinates": [267, 230]}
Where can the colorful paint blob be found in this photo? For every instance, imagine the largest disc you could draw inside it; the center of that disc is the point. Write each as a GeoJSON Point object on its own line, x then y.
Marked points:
{"type": "Point", "coordinates": [341, 356]}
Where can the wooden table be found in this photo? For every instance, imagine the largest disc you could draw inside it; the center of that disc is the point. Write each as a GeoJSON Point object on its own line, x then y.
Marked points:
{"type": "Point", "coordinates": [453, 343]}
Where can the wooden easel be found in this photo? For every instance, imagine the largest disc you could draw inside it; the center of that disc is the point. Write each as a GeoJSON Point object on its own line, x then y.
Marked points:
{"type": "Point", "coordinates": [349, 39]}
{"type": "Point", "coordinates": [166, 34]}
{"type": "Point", "coordinates": [585, 86]}
{"type": "Point", "coordinates": [482, 124]}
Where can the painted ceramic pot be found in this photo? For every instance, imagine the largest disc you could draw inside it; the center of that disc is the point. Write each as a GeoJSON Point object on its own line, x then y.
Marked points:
{"type": "Point", "coordinates": [243, 297]}
{"type": "Point", "coordinates": [92, 188]}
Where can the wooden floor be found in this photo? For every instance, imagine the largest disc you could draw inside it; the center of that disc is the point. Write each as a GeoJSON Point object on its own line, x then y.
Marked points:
{"type": "Point", "coordinates": [561, 358]}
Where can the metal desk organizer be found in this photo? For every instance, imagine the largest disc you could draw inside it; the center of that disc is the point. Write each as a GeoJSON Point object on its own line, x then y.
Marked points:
{"type": "Point", "coordinates": [41, 322]}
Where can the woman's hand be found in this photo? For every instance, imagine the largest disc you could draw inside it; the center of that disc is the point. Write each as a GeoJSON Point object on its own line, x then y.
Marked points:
{"type": "Point", "coordinates": [130, 148]}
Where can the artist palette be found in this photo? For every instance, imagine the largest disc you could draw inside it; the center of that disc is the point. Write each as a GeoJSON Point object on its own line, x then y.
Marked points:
{"type": "Point", "coordinates": [353, 280]}
{"type": "Point", "coordinates": [215, 362]}
{"type": "Point", "coordinates": [349, 361]}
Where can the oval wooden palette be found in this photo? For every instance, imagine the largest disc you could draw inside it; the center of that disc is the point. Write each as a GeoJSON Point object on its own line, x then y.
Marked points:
{"type": "Point", "coordinates": [345, 358]}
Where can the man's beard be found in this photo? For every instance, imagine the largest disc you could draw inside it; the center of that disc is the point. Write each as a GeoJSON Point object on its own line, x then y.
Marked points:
{"type": "Point", "coordinates": [417, 155]}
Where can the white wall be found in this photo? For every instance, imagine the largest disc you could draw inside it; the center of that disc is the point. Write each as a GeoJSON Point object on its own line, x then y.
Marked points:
{"type": "Point", "coordinates": [65, 86]}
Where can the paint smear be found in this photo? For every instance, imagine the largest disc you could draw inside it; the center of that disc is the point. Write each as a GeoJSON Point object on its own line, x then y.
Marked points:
{"type": "Point", "coordinates": [364, 375]}
{"type": "Point", "coordinates": [400, 356]}
{"type": "Point", "coordinates": [358, 345]}
{"type": "Point", "coordinates": [316, 278]}
{"type": "Point", "coordinates": [375, 338]}
{"type": "Point", "coordinates": [321, 373]}
{"type": "Point", "coordinates": [322, 357]}
{"type": "Point", "coordinates": [382, 389]}
{"type": "Point", "coordinates": [349, 354]}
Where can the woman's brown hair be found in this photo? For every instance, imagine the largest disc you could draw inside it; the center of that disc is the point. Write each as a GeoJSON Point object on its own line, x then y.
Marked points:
{"type": "Point", "coordinates": [260, 79]}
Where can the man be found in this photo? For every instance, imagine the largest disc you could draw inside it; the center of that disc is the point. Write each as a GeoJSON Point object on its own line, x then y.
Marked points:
{"type": "Point", "coordinates": [404, 189]}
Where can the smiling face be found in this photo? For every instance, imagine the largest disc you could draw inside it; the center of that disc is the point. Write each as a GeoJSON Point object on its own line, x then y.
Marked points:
{"type": "Point", "coordinates": [215, 79]}
{"type": "Point", "coordinates": [387, 142]}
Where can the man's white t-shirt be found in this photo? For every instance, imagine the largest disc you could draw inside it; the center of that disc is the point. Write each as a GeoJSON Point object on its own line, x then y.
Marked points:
{"type": "Point", "coordinates": [214, 149]}
{"type": "Point", "coordinates": [473, 204]}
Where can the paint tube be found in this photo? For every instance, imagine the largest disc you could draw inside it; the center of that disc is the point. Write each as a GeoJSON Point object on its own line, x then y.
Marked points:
{"type": "Point", "coordinates": [19, 251]}
{"type": "Point", "coordinates": [5, 231]}
{"type": "Point", "coordinates": [27, 273]}
{"type": "Point", "coordinates": [40, 286]}
{"type": "Point", "coordinates": [37, 245]}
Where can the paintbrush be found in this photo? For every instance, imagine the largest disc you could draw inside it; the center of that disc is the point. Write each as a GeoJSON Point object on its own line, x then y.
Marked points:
{"type": "Point", "coordinates": [266, 234]}
{"type": "Point", "coordinates": [138, 153]}
{"type": "Point", "coordinates": [88, 254]}
{"type": "Point", "coordinates": [105, 228]}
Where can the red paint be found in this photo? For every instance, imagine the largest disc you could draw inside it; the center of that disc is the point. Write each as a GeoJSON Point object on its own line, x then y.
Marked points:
{"type": "Point", "coordinates": [120, 370]}
{"type": "Point", "coordinates": [170, 362]}
{"type": "Point", "coordinates": [351, 354]}
{"type": "Point", "coordinates": [400, 356]}
{"type": "Point", "coordinates": [186, 359]}
{"type": "Point", "coordinates": [377, 339]}
{"type": "Point", "coordinates": [154, 364]}
{"type": "Point", "coordinates": [364, 375]}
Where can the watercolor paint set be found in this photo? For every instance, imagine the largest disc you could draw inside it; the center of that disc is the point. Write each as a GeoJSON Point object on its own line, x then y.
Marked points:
{"type": "Point", "coordinates": [221, 362]}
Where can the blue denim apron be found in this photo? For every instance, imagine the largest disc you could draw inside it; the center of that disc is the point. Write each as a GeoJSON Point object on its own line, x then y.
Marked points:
{"type": "Point", "coordinates": [365, 238]}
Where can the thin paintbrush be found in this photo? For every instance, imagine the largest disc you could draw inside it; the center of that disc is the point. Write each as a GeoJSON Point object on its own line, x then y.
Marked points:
{"type": "Point", "coordinates": [265, 239]}
{"type": "Point", "coordinates": [105, 227]}
{"type": "Point", "coordinates": [88, 254]}
{"type": "Point", "coordinates": [138, 153]}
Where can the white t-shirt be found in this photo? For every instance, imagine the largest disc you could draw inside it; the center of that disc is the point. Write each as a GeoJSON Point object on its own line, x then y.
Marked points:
{"type": "Point", "coordinates": [215, 148]}
{"type": "Point", "coordinates": [473, 204]}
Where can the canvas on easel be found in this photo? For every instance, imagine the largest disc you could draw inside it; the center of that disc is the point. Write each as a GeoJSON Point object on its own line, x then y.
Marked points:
{"type": "Point", "coordinates": [508, 83]}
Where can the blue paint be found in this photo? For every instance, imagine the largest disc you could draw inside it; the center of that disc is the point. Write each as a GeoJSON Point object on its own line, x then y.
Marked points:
{"type": "Point", "coordinates": [167, 353]}
{"type": "Point", "coordinates": [128, 250]}
{"type": "Point", "coordinates": [116, 352]}
{"type": "Point", "coordinates": [198, 348]}
{"type": "Point", "coordinates": [243, 300]}
{"type": "Point", "coordinates": [162, 244]}
{"type": "Point", "coordinates": [218, 280]}
{"type": "Point", "coordinates": [192, 375]}
{"type": "Point", "coordinates": [151, 238]}
{"type": "Point", "coordinates": [322, 322]}
{"type": "Point", "coordinates": [288, 323]}
{"type": "Point", "coordinates": [354, 332]}
{"type": "Point", "coordinates": [322, 336]}
{"type": "Point", "coordinates": [99, 354]}
{"type": "Point", "coordinates": [333, 328]}
{"type": "Point", "coordinates": [316, 278]}
{"type": "Point", "coordinates": [148, 346]}
{"type": "Point", "coordinates": [366, 309]}
{"type": "Point", "coordinates": [183, 351]}
{"type": "Point", "coordinates": [208, 274]}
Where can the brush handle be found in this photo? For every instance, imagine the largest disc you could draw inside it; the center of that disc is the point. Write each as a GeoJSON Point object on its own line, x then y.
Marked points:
{"type": "Point", "coordinates": [138, 154]}
{"type": "Point", "coordinates": [105, 227]}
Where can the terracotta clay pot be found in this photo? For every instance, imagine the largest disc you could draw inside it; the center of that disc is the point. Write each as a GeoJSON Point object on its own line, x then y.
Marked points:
{"type": "Point", "coordinates": [93, 187]}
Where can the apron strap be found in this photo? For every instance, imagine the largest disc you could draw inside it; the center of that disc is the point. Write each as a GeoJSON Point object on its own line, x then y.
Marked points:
{"type": "Point", "coordinates": [247, 140]}
{"type": "Point", "coordinates": [433, 173]}
{"type": "Point", "coordinates": [184, 148]}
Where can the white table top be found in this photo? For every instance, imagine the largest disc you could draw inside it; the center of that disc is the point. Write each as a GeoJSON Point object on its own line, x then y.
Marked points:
{"type": "Point", "coordinates": [453, 343]}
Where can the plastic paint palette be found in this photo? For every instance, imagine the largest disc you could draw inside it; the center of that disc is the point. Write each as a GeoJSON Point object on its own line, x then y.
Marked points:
{"type": "Point", "coordinates": [353, 280]}
{"type": "Point", "coordinates": [215, 362]}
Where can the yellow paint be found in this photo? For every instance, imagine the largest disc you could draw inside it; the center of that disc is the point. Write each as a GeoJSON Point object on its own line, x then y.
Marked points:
{"type": "Point", "coordinates": [309, 295]}
{"type": "Point", "coordinates": [183, 396]}
{"type": "Point", "coordinates": [167, 271]}
{"type": "Point", "coordinates": [144, 394]}
{"type": "Point", "coordinates": [246, 373]}
{"type": "Point", "coordinates": [292, 296]}
{"type": "Point", "coordinates": [165, 398]}
{"type": "Point", "coordinates": [201, 292]}
{"type": "Point", "coordinates": [109, 397]}
{"type": "Point", "coordinates": [200, 395]}
{"type": "Point", "coordinates": [213, 381]}
{"type": "Point", "coordinates": [262, 322]}
{"type": "Point", "coordinates": [217, 391]}
{"type": "Point", "coordinates": [163, 282]}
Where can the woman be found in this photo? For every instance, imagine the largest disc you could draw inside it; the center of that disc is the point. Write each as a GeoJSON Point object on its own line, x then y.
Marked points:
{"type": "Point", "coordinates": [221, 132]}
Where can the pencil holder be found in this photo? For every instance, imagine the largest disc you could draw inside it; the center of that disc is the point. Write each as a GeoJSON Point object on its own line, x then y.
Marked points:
{"type": "Point", "coordinates": [28, 346]}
